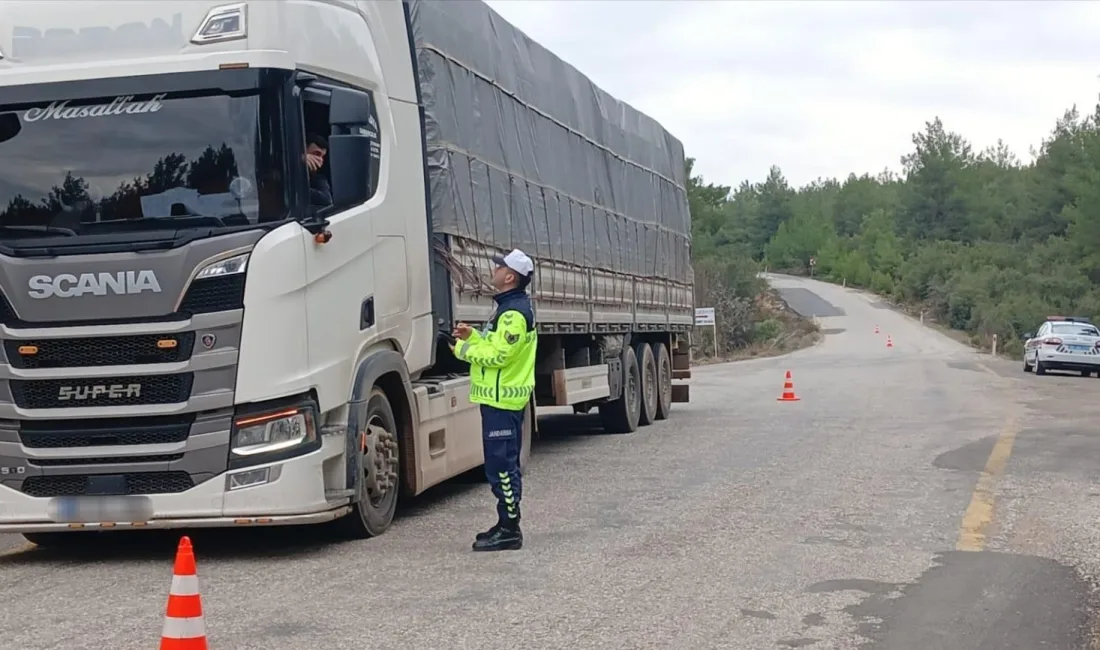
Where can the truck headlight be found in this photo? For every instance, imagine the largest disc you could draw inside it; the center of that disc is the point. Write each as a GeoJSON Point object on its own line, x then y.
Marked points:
{"type": "Point", "coordinates": [228, 266]}
{"type": "Point", "coordinates": [260, 434]}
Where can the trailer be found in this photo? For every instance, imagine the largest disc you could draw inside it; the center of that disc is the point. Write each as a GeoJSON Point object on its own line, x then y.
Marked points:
{"type": "Point", "coordinates": [189, 340]}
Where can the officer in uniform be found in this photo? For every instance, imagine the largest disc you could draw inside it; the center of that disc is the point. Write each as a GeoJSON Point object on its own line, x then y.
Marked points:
{"type": "Point", "coordinates": [502, 378]}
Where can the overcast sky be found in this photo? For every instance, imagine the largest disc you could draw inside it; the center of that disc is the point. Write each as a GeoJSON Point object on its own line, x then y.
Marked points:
{"type": "Point", "coordinates": [827, 88]}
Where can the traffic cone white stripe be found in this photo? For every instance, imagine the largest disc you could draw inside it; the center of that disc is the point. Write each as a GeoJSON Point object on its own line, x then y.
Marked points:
{"type": "Point", "coordinates": [184, 628]}
{"type": "Point", "coordinates": [185, 586]}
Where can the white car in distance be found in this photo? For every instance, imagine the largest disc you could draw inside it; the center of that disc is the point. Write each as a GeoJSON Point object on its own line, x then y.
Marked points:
{"type": "Point", "coordinates": [1063, 343]}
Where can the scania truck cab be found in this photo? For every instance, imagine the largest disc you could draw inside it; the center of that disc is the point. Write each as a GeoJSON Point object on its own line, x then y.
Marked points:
{"type": "Point", "coordinates": [191, 335]}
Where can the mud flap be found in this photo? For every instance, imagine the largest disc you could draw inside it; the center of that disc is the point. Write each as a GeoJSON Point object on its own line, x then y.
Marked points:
{"type": "Point", "coordinates": [353, 459]}
{"type": "Point", "coordinates": [615, 378]}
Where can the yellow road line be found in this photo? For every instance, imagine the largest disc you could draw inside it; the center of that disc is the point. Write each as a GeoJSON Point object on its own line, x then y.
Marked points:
{"type": "Point", "coordinates": [979, 514]}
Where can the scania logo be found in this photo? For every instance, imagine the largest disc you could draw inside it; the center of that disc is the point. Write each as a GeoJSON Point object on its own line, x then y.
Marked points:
{"type": "Point", "coordinates": [67, 285]}
{"type": "Point", "coordinates": [109, 391]}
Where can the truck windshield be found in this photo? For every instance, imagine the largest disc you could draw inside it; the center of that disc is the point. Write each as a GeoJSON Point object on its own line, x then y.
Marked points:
{"type": "Point", "coordinates": [152, 162]}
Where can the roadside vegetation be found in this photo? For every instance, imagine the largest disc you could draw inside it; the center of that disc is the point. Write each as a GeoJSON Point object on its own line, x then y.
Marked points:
{"type": "Point", "coordinates": [979, 241]}
{"type": "Point", "coordinates": [752, 320]}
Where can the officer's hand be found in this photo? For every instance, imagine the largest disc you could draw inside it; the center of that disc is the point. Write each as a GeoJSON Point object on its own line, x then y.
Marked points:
{"type": "Point", "coordinates": [462, 331]}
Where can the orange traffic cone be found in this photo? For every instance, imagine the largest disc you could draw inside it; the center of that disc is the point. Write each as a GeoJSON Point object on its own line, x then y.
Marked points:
{"type": "Point", "coordinates": [876, 329]}
{"type": "Point", "coordinates": [889, 341]}
{"type": "Point", "coordinates": [184, 628]}
{"type": "Point", "coordinates": [788, 390]}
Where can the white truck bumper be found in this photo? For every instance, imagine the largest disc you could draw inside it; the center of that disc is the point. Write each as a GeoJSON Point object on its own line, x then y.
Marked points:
{"type": "Point", "coordinates": [293, 493]}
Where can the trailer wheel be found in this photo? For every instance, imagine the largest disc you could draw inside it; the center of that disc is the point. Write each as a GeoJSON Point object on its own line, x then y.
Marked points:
{"type": "Point", "coordinates": [622, 415]}
{"type": "Point", "coordinates": [664, 380]}
{"type": "Point", "coordinates": [379, 482]}
{"type": "Point", "coordinates": [647, 372]}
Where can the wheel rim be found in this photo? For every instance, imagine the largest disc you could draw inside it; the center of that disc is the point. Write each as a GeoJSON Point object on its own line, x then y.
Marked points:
{"type": "Point", "coordinates": [632, 390]}
{"type": "Point", "coordinates": [379, 448]}
{"type": "Point", "coordinates": [651, 384]}
{"type": "Point", "coordinates": [664, 372]}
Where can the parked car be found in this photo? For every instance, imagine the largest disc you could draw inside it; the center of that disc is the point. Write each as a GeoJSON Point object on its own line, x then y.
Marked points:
{"type": "Point", "coordinates": [1063, 343]}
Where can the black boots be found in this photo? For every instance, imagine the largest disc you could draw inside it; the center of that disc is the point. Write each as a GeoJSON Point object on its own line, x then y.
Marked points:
{"type": "Point", "coordinates": [489, 533]}
{"type": "Point", "coordinates": [505, 536]}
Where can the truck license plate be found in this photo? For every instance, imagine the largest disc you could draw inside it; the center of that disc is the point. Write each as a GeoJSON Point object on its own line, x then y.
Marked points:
{"type": "Point", "coordinates": [92, 509]}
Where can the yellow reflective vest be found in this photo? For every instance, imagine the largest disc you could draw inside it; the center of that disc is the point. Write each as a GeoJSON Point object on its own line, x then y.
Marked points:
{"type": "Point", "coordinates": [502, 361]}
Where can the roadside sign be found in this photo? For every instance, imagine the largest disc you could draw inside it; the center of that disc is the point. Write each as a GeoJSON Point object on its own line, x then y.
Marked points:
{"type": "Point", "coordinates": [704, 316]}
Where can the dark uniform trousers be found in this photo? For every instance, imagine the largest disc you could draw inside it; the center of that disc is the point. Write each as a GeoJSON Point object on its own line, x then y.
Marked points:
{"type": "Point", "coordinates": [501, 437]}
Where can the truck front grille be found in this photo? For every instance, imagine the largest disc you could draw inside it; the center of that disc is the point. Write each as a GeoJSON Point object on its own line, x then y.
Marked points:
{"type": "Point", "coordinates": [205, 296]}
{"type": "Point", "coordinates": [99, 351]}
{"type": "Point", "coordinates": [101, 391]}
{"type": "Point", "coordinates": [105, 432]}
{"type": "Point", "coordinates": [102, 460]}
{"type": "Point", "coordinates": [73, 485]}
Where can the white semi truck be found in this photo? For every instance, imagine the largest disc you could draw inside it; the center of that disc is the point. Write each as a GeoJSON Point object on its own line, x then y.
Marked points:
{"type": "Point", "coordinates": [195, 332]}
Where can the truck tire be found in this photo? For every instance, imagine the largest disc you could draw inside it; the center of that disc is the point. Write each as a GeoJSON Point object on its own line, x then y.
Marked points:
{"type": "Point", "coordinates": [664, 380]}
{"type": "Point", "coordinates": [380, 481]}
{"type": "Point", "coordinates": [527, 435]}
{"type": "Point", "coordinates": [622, 415]}
{"type": "Point", "coordinates": [647, 373]}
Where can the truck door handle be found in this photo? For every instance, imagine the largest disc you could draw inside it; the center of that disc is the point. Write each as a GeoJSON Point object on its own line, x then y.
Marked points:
{"type": "Point", "coordinates": [366, 314]}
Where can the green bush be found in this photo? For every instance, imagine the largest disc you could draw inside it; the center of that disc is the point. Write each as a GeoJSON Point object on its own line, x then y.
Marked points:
{"type": "Point", "coordinates": [767, 330]}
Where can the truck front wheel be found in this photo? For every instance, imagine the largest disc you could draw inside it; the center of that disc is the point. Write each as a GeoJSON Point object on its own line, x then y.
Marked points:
{"type": "Point", "coordinates": [379, 481]}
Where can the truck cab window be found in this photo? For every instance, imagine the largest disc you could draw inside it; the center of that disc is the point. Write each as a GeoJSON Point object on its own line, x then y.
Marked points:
{"type": "Point", "coordinates": [316, 158]}
{"type": "Point", "coordinates": [359, 168]}
{"type": "Point", "coordinates": [317, 131]}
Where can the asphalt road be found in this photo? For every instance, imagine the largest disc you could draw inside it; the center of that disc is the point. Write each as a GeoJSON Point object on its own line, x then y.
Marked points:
{"type": "Point", "coordinates": [918, 497]}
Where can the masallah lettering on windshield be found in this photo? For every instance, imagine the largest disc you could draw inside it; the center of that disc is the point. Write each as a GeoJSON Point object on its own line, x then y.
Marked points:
{"type": "Point", "coordinates": [123, 105]}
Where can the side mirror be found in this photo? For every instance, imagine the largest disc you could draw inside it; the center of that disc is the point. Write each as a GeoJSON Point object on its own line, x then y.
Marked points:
{"type": "Point", "coordinates": [1028, 336]}
{"type": "Point", "coordinates": [350, 168]}
{"type": "Point", "coordinates": [9, 126]}
{"type": "Point", "coordinates": [349, 108]}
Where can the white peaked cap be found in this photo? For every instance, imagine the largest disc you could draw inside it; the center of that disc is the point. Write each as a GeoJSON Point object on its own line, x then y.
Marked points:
{"type": "Point", "coordinates": [517, 260]}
